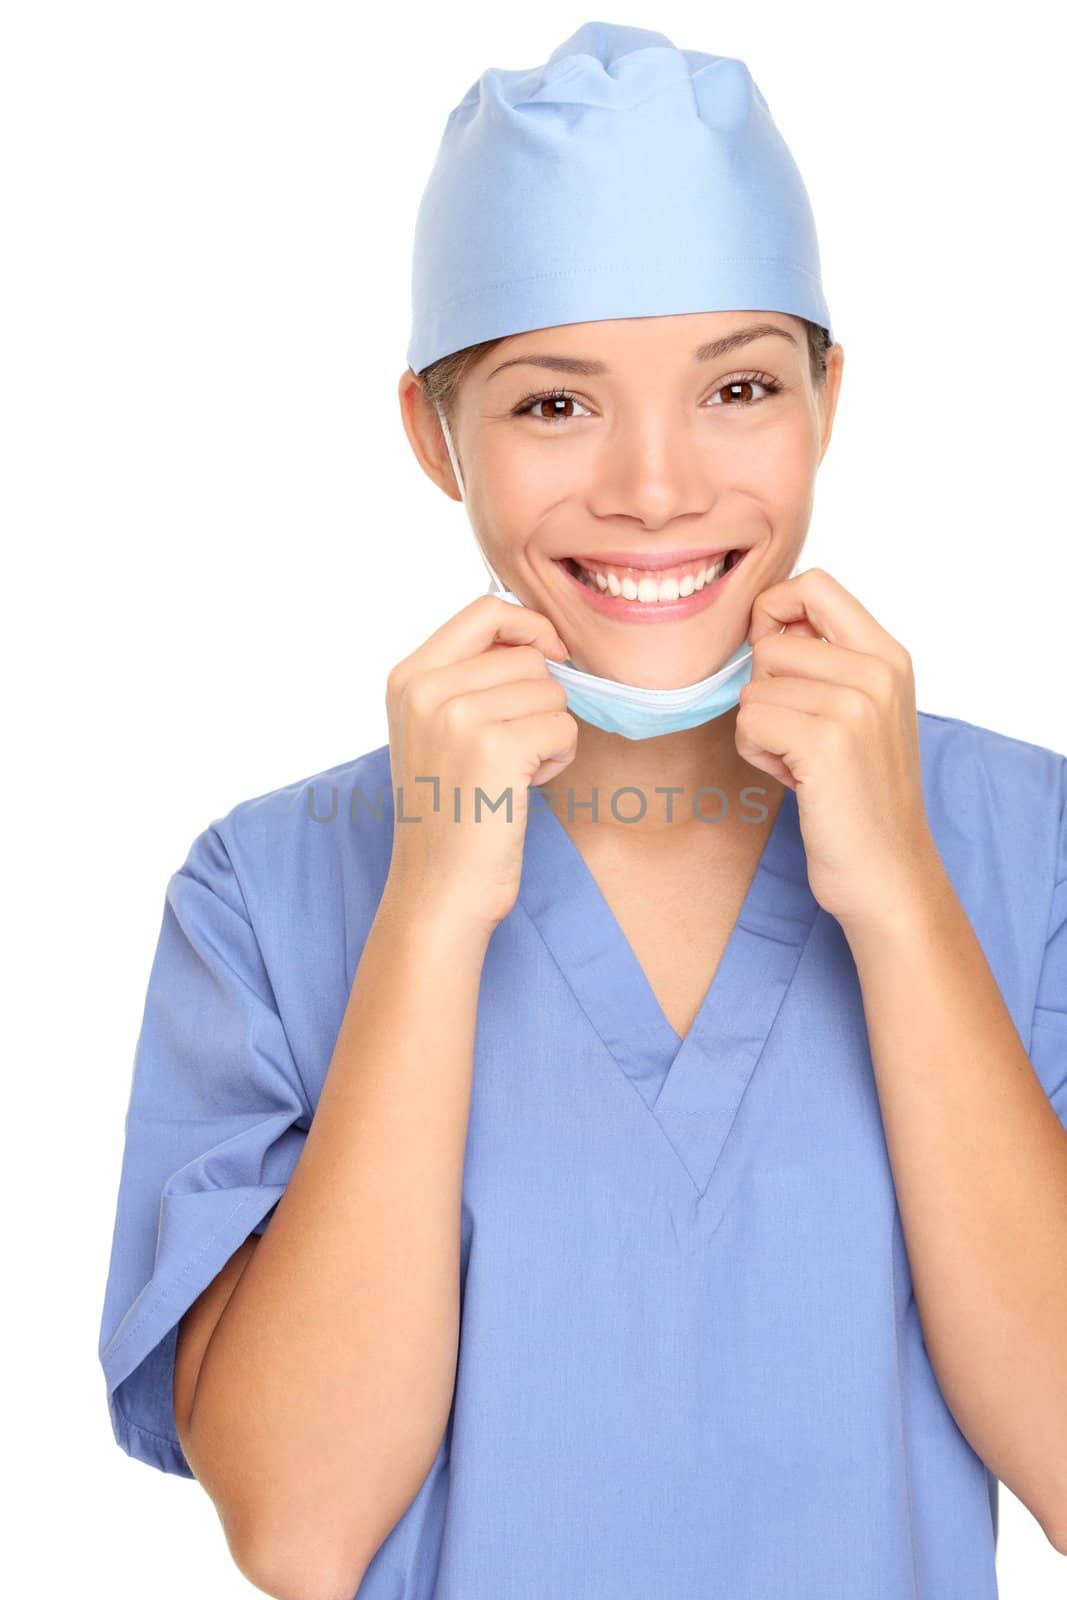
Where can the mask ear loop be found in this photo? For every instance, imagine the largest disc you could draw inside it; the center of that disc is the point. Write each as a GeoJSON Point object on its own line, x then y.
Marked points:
{"type": "Point", "coordinates": [495, 585]}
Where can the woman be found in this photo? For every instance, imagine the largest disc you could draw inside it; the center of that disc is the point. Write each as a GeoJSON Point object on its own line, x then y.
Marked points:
{"type": "Point", "coordinates": [652, 1062]}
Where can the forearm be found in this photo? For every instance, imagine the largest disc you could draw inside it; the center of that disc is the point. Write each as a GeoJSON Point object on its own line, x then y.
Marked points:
{"type": "Point", "coordinates": [326, 1387]}
{"type": "Point", "coordinates": [979, 1161]}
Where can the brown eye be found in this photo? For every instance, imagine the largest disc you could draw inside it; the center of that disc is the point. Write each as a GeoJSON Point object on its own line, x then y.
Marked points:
{"type": "Point", "coordinates": [738, 391]}
{"type": "Point", "coordinates": [550, 407]}
{"type": "Point", "coordinates": [556, 408]}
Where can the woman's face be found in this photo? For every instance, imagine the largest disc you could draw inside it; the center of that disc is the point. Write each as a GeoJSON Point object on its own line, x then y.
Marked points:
{"type": "Point", "coordinates": [644, 442]}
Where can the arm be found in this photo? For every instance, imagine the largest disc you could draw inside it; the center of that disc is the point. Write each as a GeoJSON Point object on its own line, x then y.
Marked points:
{"type": "Point", "coordinates": [195, 1330]}
{"type": "Point", "coordinates": [978, 1153]}
{"type": "Point", "coordinates": [979, 1161]}
{"type": "Point", "coordinates": [326, 1384]}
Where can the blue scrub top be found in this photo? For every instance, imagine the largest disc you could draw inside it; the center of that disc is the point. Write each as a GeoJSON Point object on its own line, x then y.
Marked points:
{"type": "Point", "coordinates": [690, 1360]}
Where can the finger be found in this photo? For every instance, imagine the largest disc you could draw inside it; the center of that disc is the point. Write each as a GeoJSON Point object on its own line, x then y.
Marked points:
{"type": "Point", "coordinates": [427, 689]}
{"type": "Point", "coordinates": [801, 630]}
{"type": "Point", "coordinates": [841, 702]}
{"type": "Point", "coordinates": [787, 656]}
{"type": "Point", "coordinates": [502, 702]}
{"type": "Point", "coordinates": [547, 739]}
{"type": "Point", "coordinates": [487, 621]}
{"type": "Point", "coordinates": [780, 731]}
{"type": "Point", "coordinates": [835, 614]}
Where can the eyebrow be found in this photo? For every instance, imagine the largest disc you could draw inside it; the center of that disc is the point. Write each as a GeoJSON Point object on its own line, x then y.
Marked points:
{"type": "Point", "coordinates": [705, 352]}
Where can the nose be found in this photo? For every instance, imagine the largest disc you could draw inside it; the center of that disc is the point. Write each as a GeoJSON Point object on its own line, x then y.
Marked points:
{"type": "Point", "coordinates": [653, 471]}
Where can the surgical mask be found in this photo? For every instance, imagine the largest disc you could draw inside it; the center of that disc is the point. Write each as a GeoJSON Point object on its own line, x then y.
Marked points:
{"type": "Point", "coordinates": [627, 708]}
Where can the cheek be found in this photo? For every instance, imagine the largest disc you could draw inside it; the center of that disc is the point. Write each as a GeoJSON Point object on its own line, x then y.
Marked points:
{"type": "Point", "coordinates": [519, 506]}
{"type": "Point", "coordinates": [776, 469]}
{"type": "Point", "coordinates": [786, 454]}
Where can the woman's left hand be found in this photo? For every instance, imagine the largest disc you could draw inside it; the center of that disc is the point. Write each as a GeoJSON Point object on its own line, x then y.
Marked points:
{"type": "Point", "coordinates": [830, 711]}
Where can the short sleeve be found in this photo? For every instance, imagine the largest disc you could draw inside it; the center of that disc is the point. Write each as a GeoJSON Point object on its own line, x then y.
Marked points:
{"type": "Point", "coordinates": [1048, 1045]}
{"type": "Point", "coordinates": [216, 1122]}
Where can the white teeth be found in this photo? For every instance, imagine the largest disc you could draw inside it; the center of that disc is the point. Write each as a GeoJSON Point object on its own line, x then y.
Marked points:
{"type": "Point", "coordinates": [651, 590]}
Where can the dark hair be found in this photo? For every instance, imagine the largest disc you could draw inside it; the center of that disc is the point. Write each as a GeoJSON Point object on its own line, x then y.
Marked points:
{"type": "Point", "coordinates": [441, 379]}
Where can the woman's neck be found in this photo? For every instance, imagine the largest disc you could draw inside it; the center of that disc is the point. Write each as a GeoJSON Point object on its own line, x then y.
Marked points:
{"type": "Point", "coordinates": [664, 781]}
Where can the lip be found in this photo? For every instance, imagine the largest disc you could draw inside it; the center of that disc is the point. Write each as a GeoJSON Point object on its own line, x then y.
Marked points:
{"type": "Point", "coordinates": [657, 610]}
{"type": "Point", "coordinates": [648, 560]}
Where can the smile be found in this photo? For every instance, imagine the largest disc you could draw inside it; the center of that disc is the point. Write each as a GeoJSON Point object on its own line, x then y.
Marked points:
{"type": "Point", "coordinates": [650, 590]}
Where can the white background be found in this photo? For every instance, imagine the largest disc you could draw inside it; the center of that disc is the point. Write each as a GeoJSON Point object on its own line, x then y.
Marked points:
{"type": "Point", "coordinates": [219, 541]}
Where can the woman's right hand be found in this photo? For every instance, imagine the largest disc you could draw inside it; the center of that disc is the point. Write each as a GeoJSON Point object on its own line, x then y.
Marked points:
{"type": "Point", "coordinates": [474, 707]}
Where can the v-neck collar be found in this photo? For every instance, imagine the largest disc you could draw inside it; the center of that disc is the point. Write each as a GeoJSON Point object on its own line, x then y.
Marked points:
{"type": "Point", "coordinates": [691, 1086]}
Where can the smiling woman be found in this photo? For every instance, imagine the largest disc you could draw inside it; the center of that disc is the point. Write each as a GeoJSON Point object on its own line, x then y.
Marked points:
{"type": "Point", "coordinates": [659, 1190]}
{"type": "Point", "coordinates": [655, 434]}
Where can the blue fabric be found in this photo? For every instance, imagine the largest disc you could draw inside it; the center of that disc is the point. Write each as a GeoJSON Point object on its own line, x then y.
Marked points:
{"type": "Point", "coordinates": [690, 1360]}
{"type": "Point", "coordinates": [622, 178]}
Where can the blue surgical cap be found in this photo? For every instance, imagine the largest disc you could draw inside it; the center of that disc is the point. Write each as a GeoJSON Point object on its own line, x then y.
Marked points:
{"type": "Point", "coordinates": [623, 178]}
